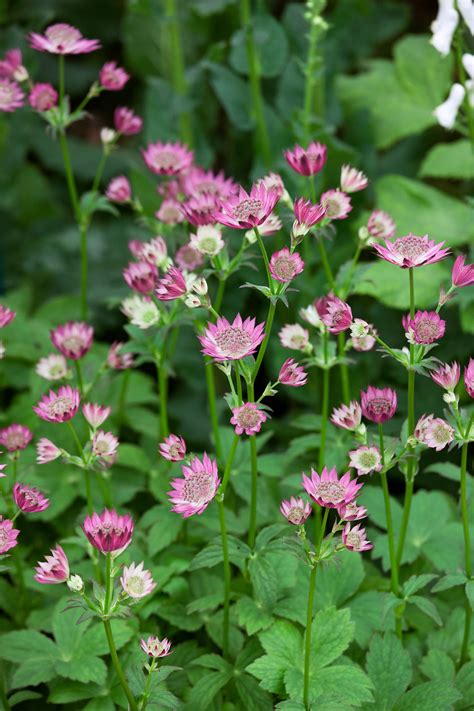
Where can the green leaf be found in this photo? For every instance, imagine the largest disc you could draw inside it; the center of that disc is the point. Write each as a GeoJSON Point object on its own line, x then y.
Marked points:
{"type": "Point", "coordinates": [270, 43]}
{"type": "Point", "coordinates": [432, 696]}
{"type": "Point", "coordinates": [333, 630]}
{"type": "Point", "coordinates": [389, 668]}
{"type": "Point", "coordinates": [449, 160]}
{"type": "Point", "coordinates": [203, 693]}
{"type": "Point", "coordinates": [428, 607]}
{"type": "Point", "coordinates": [438, 666]}
{"type": "Point", "coordinates": [449, 581]}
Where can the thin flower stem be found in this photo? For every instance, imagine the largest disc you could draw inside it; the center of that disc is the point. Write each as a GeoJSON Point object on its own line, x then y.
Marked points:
{"type": "Point", "coordinates": [118, 667]}
{"type": "Point", "coordinates": [177, 68]}
{"type": "Point", "coordinates": [227, 578]}
{"type": "Point", "coordinates": [388, 516]}
{"type": "Point", "coordinates": [467, 553]}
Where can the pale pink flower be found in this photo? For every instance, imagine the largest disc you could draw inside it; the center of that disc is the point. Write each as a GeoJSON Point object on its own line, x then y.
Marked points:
{"type": "Point", "coordinates": [447, 375]}
{"type": "Point", "coordinates": [352, 180]}
{"type": "Point", "coordinates": [192, 494]}
{"type": "Point", "coordinates": [52, 367]}
{"type": "Point", "coordinates": [248, 418]}
{"type": "Point", "coordinates": [309, 161]}
{"type": "Point", "coordinates": [141, 276]}
{"type": "Point", "coordinates": [294, 336]}
{"type": "Point", "coordinates": [104, 446]}
{"type": "Point", "coordinates": [462, 274]}
{"type": "Point", "coordinates": [62, 39]}
{"type": "Point", "coordinates": [425, 328]}
{"type": "Point", "coordinates": [225, 341]}
{"type": "Point", "coordinates": [15, 437]}
{"type": "Point", "coordinates": [60, 406]}
{"type": "Point", "coordinates": [378, 404]}
{"type": "Point", "coordinates": [29, 499]}
{"type": "Point", "coordinates": [381, 225]}
{"type": "Point", "coordinates": [365, 460]}
{"type": "Point", "coordinates": [54, 569]}
{"type": "Point", "coordinates": [292, 374]}
{"type": "Point", "coordinates": [43, 97]}
{"type": "Point", "coordinates": [6, 316]}
{"type": "Point", "coordinates": [351, 512]}
{"type": "Point", "coordinates": [95, 414]}
{"type": "Point", "coordinates": [200, 210]}
{"type": "Point", "coordinates": [109, 532]}
{"type": "Point", "coordinates": [296, 511]}
{"type": "Point", "coordinates": [11, 96]}
{"type": "Point", "coordinates": [73, 339]}
{"type": "Point", "coordinates": [8, 535]}
{"type": "Point", "coordinates": [347, 416]}
{"type": "Point", "coordinates": [285, 266]}
{"type": "Point", "coordinates": [136, 581]}
{"type": "Point", "coordinates": [188, 257]}
{"type": "Point", "coordinates": [156, 648]}
{"type": "Point", "coordinates": [117, 360]}
{"type": "Point", "coordinates": [46, 451]}
{"type": "Point", "coordinates": [207, 240]}
{"type": "Point", "coordinates": [247, 210]}
{"type": "Point", "coordinates": [126, 121]}
{"type": "Point", "coordinates": [173, 448]}
{"type": "Point", "coordinates": [112, 77]}
{"type": "Point", "coordinates": [119, 190]}
{"type": "Point", "coordinates": [171, 286]}
{"type": "Point", "coordinates": [411, 251]}
{"type": "Point", "coordinates": [330, 491]}
{"type": "Point", "coordinates": [334, 313]}
{"type": "Point", "coordinates": [170, 212]}
{"type": "Point", "coordinates": [434, 432]}
{"type": "Point", "coordinates": [307, 214]}
{"type": "Point", "coordinates": [11, 66]}
{"type": "Point", "coordinates": [167, 158]}
{"type": "Point", "coordinates": [336, 204]}
{"type": "Point", "coordinates": [198, 181]}
{"type": "Point", "coordinates": [355, 539]}
{"type": "Point", "coordinates": [469, 377]}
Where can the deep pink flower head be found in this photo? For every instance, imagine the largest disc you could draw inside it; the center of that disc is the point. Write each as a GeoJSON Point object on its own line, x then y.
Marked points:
{"type": "Point", "coordinates": [248, 418]}
{"type": "Point", "coordinates": [95, 414]}
{"type": "Point", "coordinates": [381, 225]}
{"type": "Point", "coordinates": [15, 437]}
{"type": "Point", "coordinates": [141, 276]}
{"type": "Point", "coordinates": [351, 512]}
{"type": "Point", "coordinates": [469, 377]}
{"type": "Point", "coordinates": [54, 569]}
{"type": "Point", "coordinates": [60, 406]}
{"type": "Point", "coordinates": [309, 161]}
{"type": "Point", "coordinates": [296, 511]}
{"type": "Point", "coordinates": [425, 328]}
{"type": "Point", "coordinates": [378, 404]}
{"type": "Point", "coordinates": [29, 499]}
{"type": "Point", "coordinates": [192, 494]}
{"type": "Point", "coordinates": [223, 341]}
{"type": "Point", "coordinates": [292, 374]}
{"type": "Point", "coordinates": [11, 66]}
{"type": "Point", "coordinates": [173, 448]}
{"type": "Point", "coordinates": [198, 182]}
{"type": "Point", "coordinates": [11, 96]}
{"type": "Point", "coordinates": [188, 257]}
{"type": "Point", "coordinates": [355, 539]}
{"type": "Point", "coordinates": [434, 432]}
{"type": "Point", "coordinates": [352, 180]}
{"type": "Point", "coordinates": [328, 490]}
{"type": "Point", "coordinates": [336, 204]}
{"type": "Point", "coordinates": [200, 210]}
{"type": "Point", "coordinates": [285, 266]}
{"type": "Point", "coordinates": [447, 375]}
{"type": "Point", "coordinates": [62, 39]}
{"type": "Point", "coordinates": [119, 190]}
{"type": "Point", "coordinates": [171, 286]}
{"type": "Point", "coordinates": [462, 274]}
{"type": "Point", "coordinates": [347, 416]}
{"type": "Point", "coordinates": [73, 339]}
{"type": "Point", "coordinates": [411, 251]}
{"type": "Point", "coordinates": [8, 535]}
{"type": "Point", "coordinates": [109, 532]}
{"type": "Point", "coordinates": [112, 77]}
{"type": "Point", "coordinates": [117, 360]}
{"type": "Point", "coordinates": [43, 97]}
{"type": "Point", "coordinates": [156, 648]}
{"type": "Point", "coordinates": [46, 451]}
{"type": "Point", "coordinates": [307, 214]}
{"type": "Point", "coordinates": [137, 582]}
{"type": "Point", "coordinates": [126, 122]}
{"type": "Point", "coordinates": [247, 210]}
{"type": "Point", "coordinates": [167, 158]}
{"type": "Point", "coordinates": [6, 316]}
{"type": "Point", "coordinates": [334, 313]}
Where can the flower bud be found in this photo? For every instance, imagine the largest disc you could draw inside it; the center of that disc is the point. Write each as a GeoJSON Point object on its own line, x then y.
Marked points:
{"type": "Point", "coordinates": [75, 583]}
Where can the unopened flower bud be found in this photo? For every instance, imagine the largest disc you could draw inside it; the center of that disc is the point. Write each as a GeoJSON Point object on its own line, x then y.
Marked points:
{"type": "Point", "coordinates": [192, 301]}
{"type": "Point", "coordinates": [107, 136]}
{"type": "Point", "coordinates": [200, 286]}
{"type": "Point", "coordinates": [75, 583]}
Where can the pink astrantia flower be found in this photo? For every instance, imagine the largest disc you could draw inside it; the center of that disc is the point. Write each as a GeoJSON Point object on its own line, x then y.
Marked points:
{"type": "Point", "coordinates": [352, 180]}
{"type": "Point", "coordinates": [60, 406]}
{"type": "Point", "coordinates": [15, 437]}
{"type": "Point", "coordinates": [29, 499]}
{"type": "Point", "coordinates": [173, 448]}
{"type": "Point", "coordinates": [95, 414]}
{"type": "Point", "coordinates": [351, 512]}
{"type": "Point", "coordinates": [378, 404]}
{"type": "Point", "coordinates": [109, 532]}
{"type": "Point", "coordinates": [167, 158]}
{"type": "Point", "coordinates": [43, 97]}
{"type": "Point", "coordinates": [11, 66]}
{"type": "Point", "coordinates": [156, 648]}
{"type": "Point", "coordinates": [188, 257]}
{"type": "Point", "coordinates": [381, 225]}
{"type": "Point", "coordinates": [225, 341]}
{"type": "Point", "coordinates": [365, 460]}
{"type": "Point", "coordinates": [248, 418]}
{"type": "Point", "coordinates": [292, 374]}
{"type": "Point", "coordinates": [199, 210]}
{"type": "Point", "coordinates": [355, 539]}
{"type": "Point", "coordinates": [8, 535]}
{"type": "Point", "coordinates": [54, 569]}
{"type": "Point", "coordinates": [52, 367]}
{"type": "Point", "coordinates": [117, 360]}
{"type": "Point", "coordinates": [307, 214]}
{"type": "Point", "coordinates": [126, 122]}
{"type": "Point", "coordinates": [170, 212]}
{"type": "Point", "coordinates": [336, 204]}
{"type": "Point", "coordinates": [294, 336]}
{"type": "Point", "coordinates": [447, 375]}
{"type": "Point", "coordinates": [247, 210]}
{"type": "Point", "coordinates": [171, 286]}
{"type": "Point", "coordinates": [334, 313]}
{"type": "Point", "coordinates": [411, 251]}
{"type": "Point", "coordinates": [434, 432]}
{"type": "Point", "coordinates": [198, 182]}
{"type": "Point", "coordinates": [104, 446]}
{"type": "Point", "coordinates": [330, 491]}
{"type": "Point", "coordinates": [73, 339]}
{"type": "Point", "coordinates": [141, 276]}
{"type": "Point", "coordinates": [192, 494]}
{"type": "Point", "coordinates": [46, 451]}
{"type": "Point", "coordinates": [285, 266]}
{"type": "Point", "coordinates": [6, 316]}
{"type": "Point", "coordinates": [425, 328]}
{"type": "Point", "coordinates": [296, 511]}
{"type": "Point", "coordinates": [137, 582]}
{"type": "Point", "coordinates": [11, 96]}
{"type": "Point", "coordinates": [462, 274]}
{"type": "Point", "coordinates": [347, 416]}
{"type": "Point", "coordinates": [112, 77]}
{"type": "Point", "coordinates": [62, 39]}
{"type": "Point", "coordinates": [469, 377]}
{"type": "Point", "coordinates": [119, 190]}
{"type": "Point", "coordinates": [309, 161]}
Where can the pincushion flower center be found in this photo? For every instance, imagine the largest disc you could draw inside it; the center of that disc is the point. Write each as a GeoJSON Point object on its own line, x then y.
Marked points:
{"type": "Point", "coordinates": [330, 492]}
{"type": "Point", "coordinates": [284, 267]}
{"type": "Point", "coordinates": [198, 489]}
{"type": "Point", "coordinates": [247, 208]}
{"type": "Point", "coordinates": [234, 342]}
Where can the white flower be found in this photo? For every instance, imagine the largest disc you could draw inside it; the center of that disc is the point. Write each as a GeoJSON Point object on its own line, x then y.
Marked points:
{"type": "Point", "coordinates": [207, 240]}
{"type": "Point", "coordinates": [141, 311]}
{"type": "Point", "coordinates": [447, 111]}
{"type": "Point", "coordinates": [444, 26]}
{"type": "Point", "coordinates": [466, 8]}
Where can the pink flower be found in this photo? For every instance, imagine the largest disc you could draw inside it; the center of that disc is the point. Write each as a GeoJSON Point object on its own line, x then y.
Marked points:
{"type": "Point", "coordinates": [462, 274]}
{"type": "Point", "coordinates": [126, 122]}
{"type": "Point", "coordinates": [223, 341]}
{"type": "Point", "coordinates": [247, 210]}
{"type": "Point", "coordinates": [119, 190]}
{"type": "Point", "coordinates": [112, 77]}
{"type": "Point", "coordinates": [334, 313]}
{"type": "Point", "coordinates": [329, 491]}
{"type": "Point", "coordinates": [117, 360]}
{"type": "Point", "coordinates": [188, 257]}
{"type": "Point", "coordinates": [62, 39]}
{"type": "Point", "coordinates": [54, 569]}
{"type": "Point", "coordinates": [136, 581]}
{"type": "Point", "coordinates": [200, 210]}
{"type": "Point", "coordinates": [104, 447]}
{"type": "Point", "coordinates": [167, 158]}
{"type": "Point", "coordinates": [355, 539]}
{"type": "Point", "coordinates": [309, 161]}
{"type": "Point", "coordinates": [95, 414]}
{"type": "Point", "coordinates": [447, 375]}
{"type": "Point", "coordinates": [173, 448]}
{"type": "Point", "coordinates": [294, 336]}
{"type": "Point", "coordinates": [285, 266]}
{"type": "Point", "coordinates": [198, 182]}
{"type": "Point", "coordinates": [434, 432]}
{"type": "Point", "coordinates": [6, 316]}
{"type": "Point", "coordinates": [15, 437]}
{"type": "Point", "coordinates": [43, 97]}
{"type": "Point", "coordinates": [60, 406]}
{"type": "Point", "coordinates": [193, 494]}
{"type": "Point", "coordinates": [109, 532]}
{"type": "Point", "coordinates": [307, 214]}
{"type": "Point", "coordinates": [292, 374]}
{"type": "Point", "coordinates": [425, 328]}
{"type": "Point", "coordinates": [73, 339]}
{"type": "Point", "coordinates": [170, 212]}
{"type": "Point", "coordinates": [296, 511]}
{"type": "Point", "coordinates": [29, 499]}
{"type": "Point", "coordinates": [351, 512]}
{"type": "Point", "coordinates": [336, 204]}
{"type": "Point", "coordinates": [46, 451]}
{"type": "Point", "coordinates": [365, 460]}
{"type": "Point", "coordinates": [156, 648]}
{"type": "Point", "coordinates": [469, 377]}
{"type": "Point", "coordinates": [8, 535]}
{"type": "Point", "coordinates": [52, 367]}
{"type": "Point", "coordinates": [11, 66]}
{"type": "Point", "coordinates": [381, 225]}
{"type": "Point", "coordinates": [352, 180]}
{"type": "Point", "coordinates": [141, 276]}
{"type": "Point", "coordinates": [378, 404]}
{"type": "Point", "coordinates": [11, 96]}
{"type": "Point", "coordinates": [171, 286]}
{"type": "Point", "coordinates": [411, 251]}
{"type": "Point", "coordinates": [248, 418]}
{"type": "Point", "coordinates": [347, 416]}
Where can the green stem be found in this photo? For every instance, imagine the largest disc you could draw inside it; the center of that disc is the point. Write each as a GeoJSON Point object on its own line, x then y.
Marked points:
{"type": "Point", "coordinates": [118, 667]}
{"type": "Point", "coordinates": [343, 369]}
{"type": "Point", "coordinates": [388, 516]}
{"type": "Point", "coordinates": [227, 578]}
{"type": "Point", "coordinates": [177, 69]}
{"type": "Point", "coordinates": [467, 553]}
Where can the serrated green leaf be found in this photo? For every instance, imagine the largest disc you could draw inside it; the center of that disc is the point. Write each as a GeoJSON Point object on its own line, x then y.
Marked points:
{"type": "Point", "coordinates": [389, 668]}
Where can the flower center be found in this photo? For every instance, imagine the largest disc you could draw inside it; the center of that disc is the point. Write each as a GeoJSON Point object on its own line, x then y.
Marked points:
{"type": "Point", "coordinates": [234, 342]}
{"type": "Point", "coordinates": [60, 406]}
{"type": "Point", "coordinates": [330, 492]}
{"type": "Point", "coordinates": [247, 208]}
{"type": "Point", "coordinates": [296, 515]}
{"type": "Point", "coordinates": [410, 246]}
{"type": "Point", "coordinates": [284, 267]}
{"type": "Point", "coordinates": [136, 585]}
{"type": "Point", "coordinates": [198, 489]}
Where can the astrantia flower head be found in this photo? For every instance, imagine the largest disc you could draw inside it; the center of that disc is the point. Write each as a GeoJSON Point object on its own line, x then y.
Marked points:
{"type": "Point", "coordinates": [292, 374]}
{"type": "Point", "coordinates": [73, 339]}
{"type": "Point", "coordinates": [141, 311]}
{"type": "Point", "coordinates": [355, 539]}
{"type": "Point", "coordinates": [247, 210]}
{"type": "Point", "coordinates": [347, 416]}
{"type": "Point", "coordinates": [226, 341]}
{"type": "Point", "coordinates": [60, 406]}
{"type": "Point", "coordinates": [8, 535]}
{"type": "Point", "coordinates": [411, 251]}
{"type": "Point", "coordinates": [336, 203]}
{"type": "Point", "coordinates": [167, 158]}
{"type": "Point", "coordinates": [469, 377]}
{"type": "Point", "coordinates": [112, 77]}
{"type": "Point", "coordinates": [43, 97]}
{"type": "Point", "coordinates": [330, 491]}
{"type": "Point", "coordinates": [207, 240]}
{"type": "Point", "coordinates": [95, 414]}
{"type": "Point", "coordinates": [52, 367]}
{"type": "Point", "coordinates": [381, 225]}
{"type": "Point", "coordinates": [6, 316]}
{"type": "Point", "coordinates": [334, 313]}
{"type": "Point", "coordinates": [462, 274]}
{"type": "Point", "coordinates": [126, 121]}
{"type": "Point", "coordinates": [447, 375]}
{"type": "Point", "coordinates": [119, 190]}
{"type": "Point", "coordinates": [294, 336]}
{"type": "Point", "coordinates": [173, 448]}
{"type": "Point", "coordinates": [248, 418]}
{"type": "Point", "coordinates": [352, 180]}
{"type": "Point", "coordinates": [141, 276]}
{"type": "Point", "coordinates": [296, 511]}
{"type": "Point", "coordinates": [109, 532]}
{"type": "Point", "coordinates": [136, 581]}
{"type": "Point", "coordinates": [425, 328]}
{"type": "Point", "coordinates": [198, 182]}
{"type": "Point", "coordinates": [171, 286]}
{"type": "Point", "coordinates": [378, 404]}
{"type": "Point", "coordinates": [54, 569]}
{"type": "Point", "coordinates": [307, 161]}
{"type": "Point", "coordinates": [62, 39]}
{"type": "Point", "coordinates": [29, 499]}
{"type": "Point", "coordinates": [188, 257]}
{"type": "Point", "coordinates": [351, 512]}
{"type": "Point", "coordinates": [46, 451]}
{"type": "Point", "coordinates": [285, 266]}
{"type": "Point", "coordinates": [11, 96]}
{"type": "Point", "coordinates": [307, 214]}
{"type": "Point", "coordinates": [118, 360]}
{"type": "Point", "coordinates": [365, 460]}
{"type": "Point", "coordinates": [434, 432]}
{"type": "Point", "coordinates": [193, 493]}
{"type": "Point", "coordinates": [15, 437]}
{"type": "Point", "coordinates": [155, 647]}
